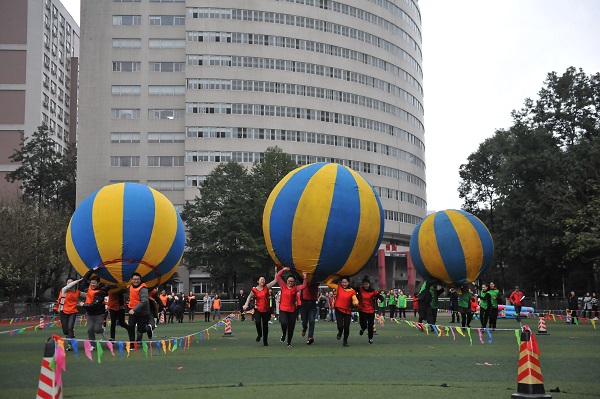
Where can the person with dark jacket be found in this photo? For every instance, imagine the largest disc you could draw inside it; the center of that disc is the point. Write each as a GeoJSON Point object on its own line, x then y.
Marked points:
{"type": "Point", "coordinates": [573, 307]}
{"type": "Point", "coordinates": [94, 305]}
{"type": "Point", "coordinates": [241, 302]}
{"type": "Point", "coordinates": [116, 311]}
{"type": "Point", "coordinates": [192, 303]}
{"type": "Point", "coordinates": [454, 306]}
{"type": "Point", "coordinates": [424, 298]}
{"type": "Point", "coordinates": [139, 309]}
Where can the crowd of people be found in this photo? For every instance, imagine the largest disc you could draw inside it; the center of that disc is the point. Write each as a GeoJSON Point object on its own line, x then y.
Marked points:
{"type": "Point", "coordinates": [295, 299]}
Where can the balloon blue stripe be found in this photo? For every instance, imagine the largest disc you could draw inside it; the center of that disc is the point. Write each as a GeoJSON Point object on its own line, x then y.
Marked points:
{"type": "Point", "coordinates": [450, 247]}
{"type": "Point", "coordinates": [415, 254]}
{"type": "Point", "coordinates": [84, 240]}
{"type": "Point", "coordinates": [138, 222]}
{"type": "Point", "coordinates": [342, 225]}
{"type": "Point", "coordinates": [174, 253]}
{"type": "Point", "coordinates": [381, 222]}
{"type": "Point", "coordinates": [283, 211]}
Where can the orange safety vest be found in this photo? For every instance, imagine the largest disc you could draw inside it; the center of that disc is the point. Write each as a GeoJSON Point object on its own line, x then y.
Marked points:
{"type": "Point", "coordinates": [163, 299]}
{"type": "Point", "coordinates": [190, 299]}
{"type": "Point", "coordinates": [89, 297]}
{"type": "Point", "coordinates": [69, 303]}
{"type": "Point", "coordinates": [134, 295]}
{"type": "Point", "coordinates": [217, 303]}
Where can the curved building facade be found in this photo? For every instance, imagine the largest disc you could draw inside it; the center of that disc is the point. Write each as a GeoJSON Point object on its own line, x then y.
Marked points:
{"type": "Point", "coordinates": [169, 89]}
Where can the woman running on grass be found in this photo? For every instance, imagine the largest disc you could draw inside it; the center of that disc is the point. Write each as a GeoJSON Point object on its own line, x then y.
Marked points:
{"type": "Point", "coordinates": [345, 297]}
{"type": "Point", "coordinates": [287, 305]}
{"type": "Point", "coordinates": [262, 310]}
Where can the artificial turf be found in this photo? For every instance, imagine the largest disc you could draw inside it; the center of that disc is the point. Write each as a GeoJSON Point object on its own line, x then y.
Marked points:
{"type": "Point", "coordinates": [402, 362]}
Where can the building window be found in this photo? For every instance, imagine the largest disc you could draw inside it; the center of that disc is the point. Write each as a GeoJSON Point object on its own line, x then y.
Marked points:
{"type": "Point", "coordinates": [125, 90]}
{"type": "Point", "coordinates": [155, 161]}
{"type": "Point", "coordinates": [125, 161]}
{"type": "Point", "coordinates": [46, 61]}
{"type": "Point", "coordinates": [167, 185]}
{"type": "Point", "coordinates": [166, 113]}
{"type": "Point", "coordinates": [125, 137]}
{"type": "Point", "coordinates": [166, 90]}
{"type": "Point", "coordinates": [167, 66]}
{"type": "Point", "coordinates": [127, 43]}
{"type": "Point", "coordinates": [166, 43]}
{"type": "Point", "coordinates": [166, 137]}
{"type": "Point", "coordinates": [127, 19]}
{"type": "Point", "coordinates": [126, 66]}
{"type": "Point", "coordinates": [120, 113]}
{"type": "Point", "coordinates": [127, 1]}
{"type": "Point", "coordinates": [167, 20]}
{"type": "Point", "coordinates": [194, 181]}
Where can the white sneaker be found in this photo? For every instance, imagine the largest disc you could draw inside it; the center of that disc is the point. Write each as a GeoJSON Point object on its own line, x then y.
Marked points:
{"type": "Point", "coordinates": [103, 333]}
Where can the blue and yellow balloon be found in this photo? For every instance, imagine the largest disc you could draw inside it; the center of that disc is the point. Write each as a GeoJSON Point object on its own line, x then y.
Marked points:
{"type": "Point", "coordinates": [126, 228]}
{"type": "Point", "coordinates": [452, 246]}
{"type": "Point", "coordinates": [323, 219]}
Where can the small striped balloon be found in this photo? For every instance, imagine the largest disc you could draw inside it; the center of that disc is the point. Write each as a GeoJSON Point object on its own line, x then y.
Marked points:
{"type": "Point", "coordinates": [323, 219]}
{"type": "Point", "coordinates": [451, 246]}
{"type": "Point", "coordinates": [126, 228]}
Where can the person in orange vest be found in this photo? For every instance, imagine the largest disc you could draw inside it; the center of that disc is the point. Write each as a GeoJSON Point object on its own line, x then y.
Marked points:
{"type": "Point", "coordinates": [139, 309]}
{"type": "Point", "coordinates": [216, 307]}
{"type": "Point", "coordinates": [191, 302]}
{"type": "Point", "coordinates": [94, 305]}
{"type": "Point", "coordinates": [66, 307]}
{"type": "Point", "coordinates": [116, 311]}
{"type": "Point", "coordinates": [162, 305]}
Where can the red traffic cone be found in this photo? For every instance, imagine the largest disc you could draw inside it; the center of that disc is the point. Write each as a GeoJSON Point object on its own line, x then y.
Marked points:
{"type": "Point", "coordinates": [542, 326]}
{"type": "Point", "coordinates": [227, 332]}
{"type": "Point", "coordinates": [530, 383]}
{"type": "Point", "coordinates": [47, 386]}
{"type": "Point", "coordinates": [42, 323]}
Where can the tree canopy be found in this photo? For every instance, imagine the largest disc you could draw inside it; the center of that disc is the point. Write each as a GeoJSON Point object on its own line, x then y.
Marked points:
{"type": "Point", "coordinates": [224, 222]}
{"type": "Point", "coordinates": [536, 185]}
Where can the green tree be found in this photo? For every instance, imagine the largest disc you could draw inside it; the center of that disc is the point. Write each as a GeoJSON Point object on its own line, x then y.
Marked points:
{"type": "Point", "coordinates": [47, 177]}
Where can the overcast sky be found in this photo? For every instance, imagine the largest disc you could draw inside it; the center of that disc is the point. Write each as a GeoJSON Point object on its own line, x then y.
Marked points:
{"type": "Point", "coordinates": [481, 59]}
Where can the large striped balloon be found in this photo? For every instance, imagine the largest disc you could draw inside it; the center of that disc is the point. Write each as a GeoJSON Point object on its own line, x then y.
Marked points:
{"type": "Point", "coordinates": [126, 228]}
{"type": "Point", "coordinates": [323, 219]}
{"type": "Point", "coordinates": [451, 246]}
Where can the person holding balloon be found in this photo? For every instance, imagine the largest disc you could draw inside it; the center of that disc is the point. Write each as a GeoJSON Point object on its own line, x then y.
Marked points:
{"type": "Point", "coordinates": [116, 311]}
{"type": "Point", "coordinates": [94, 304]}
{"type": "Point", "coordinates": [262, 308]}
{"type": "Point", "coordinates": [287, 304]}
{"type": "Point", "coordinates": [139, 309]}
{"type": "Point", "coordinates": [367, 296]}
{"type": "Point", "coordinates": [465, 295]}
{"type": "Point", "coordinates": [308, 310]}
{"type": "Point", "coordinates": [66, 306]}
{"type": "Point", "coordinates": [345, 297]}
{"type": "Point", "coordinates": [484, 305]}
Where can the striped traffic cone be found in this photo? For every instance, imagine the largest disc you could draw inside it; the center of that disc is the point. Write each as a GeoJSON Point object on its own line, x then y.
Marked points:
{"type": "Point", "coordinates": [227, 332]}
{"type": "Point", "coordinates": [42, 323]}
{"type": "Point", "coordinates": [542, 326]}
{"type": "Point", "coordinates": [47, 386]}
{"type": "Point", "coordinates": [530, 383]}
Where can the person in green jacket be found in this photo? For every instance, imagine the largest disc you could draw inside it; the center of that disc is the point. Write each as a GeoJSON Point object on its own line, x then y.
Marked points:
{"type": "Point", "coordinates": [401, 305]}
{"type": "Point", "coordinates": [484, 305]}
{"type": "Point", "coordinates": [464, 305]}
{"type": "Point", "coordinates": [494, 296]}
{"type": "Point", "coordinates": [434, 303]}
{"type": "Point", "coordinates": [381, 305]}
{"type": "Point", "coordinates": [392, 303]}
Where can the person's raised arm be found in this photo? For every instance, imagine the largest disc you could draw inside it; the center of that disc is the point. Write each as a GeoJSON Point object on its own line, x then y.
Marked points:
{"type": "Point", "coordinates": [329, 282]}
{"type": "Point", "coordinates": [304, 284]}
{"type": "Point", "coordinates": [250, 296]}
{"type": "Point", "coordinates": [279, 278]}
{"type": "Point", "coordinates": [70, 285]}
{"type": "Point", "coordinates": [272, 283]}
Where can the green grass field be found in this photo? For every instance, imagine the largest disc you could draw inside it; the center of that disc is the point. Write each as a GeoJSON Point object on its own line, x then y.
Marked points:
{"type": "Point", "coordinates": [402, 361]}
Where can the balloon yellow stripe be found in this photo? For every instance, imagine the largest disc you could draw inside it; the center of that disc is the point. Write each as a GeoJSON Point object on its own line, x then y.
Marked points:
{"type": "Point", "coordinates": [430, 253]}
{"type": "Point", "coordinates": [310, 220]}
{"type": "Point", "coordinates": [267, 213]}
{"type": "Point", "coordinates": [163, 232]}
{"type": "Point", "coordinates": [468, 235]}
{"type": "Point", "coordinates": [73, 255]}
{"type": "Point", "coordinates": [107, 213]}
{"type": "Point", "coordinates": [368, 231]}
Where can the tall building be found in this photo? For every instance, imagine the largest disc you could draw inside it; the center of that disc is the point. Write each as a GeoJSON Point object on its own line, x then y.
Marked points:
{"type": "Point", "coordinates": [171, 88]}
{"type": "Point", "coordinates": [39, 50]}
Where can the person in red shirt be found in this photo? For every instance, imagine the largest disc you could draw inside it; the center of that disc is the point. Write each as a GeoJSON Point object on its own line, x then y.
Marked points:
{"type": "Point", "coordinates": [516, 298]}
{"type": "Point", "coordinates": [345, 297]}
{"type": "Point", "coordinates": [308, 310]}
{"type": "Point", "coordinates": [366, 307]}
{"type": "Point", "coordinates": [262, 308]}
{"type": "Point", "coordinates": [66, 306]}
{"type": "Point", "coordinates": [415, 305]}
{"type": "Point", "coordinates": [287, 304]}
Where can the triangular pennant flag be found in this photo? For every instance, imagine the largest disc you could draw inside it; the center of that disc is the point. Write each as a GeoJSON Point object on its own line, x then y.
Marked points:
{"type": "Point", "coordinates": [164, 347]}
{"type": "Point", "coordinates": [469, 334]}
{"type": "Point", "coordinates": [87, 347]}
{"type": "Point", "coordinates": [158, 346]}
{"type": "Point", "coordinates": [460, 331]}
{"type": "Point", "coordinates": [145, 348]}
{"type": "Point", "coordinates": [120, 345]}
{"type": "Point", "coordinates": [109, 344]}
{"type": "Point", "coordinates": [487, 330]}
{"type": "Point", "coordinates": [99, 350]}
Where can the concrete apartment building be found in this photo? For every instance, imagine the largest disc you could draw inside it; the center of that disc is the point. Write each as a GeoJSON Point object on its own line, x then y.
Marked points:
{"type": "Point", "coordinates": [39, 50]}
{"type": "Point", "coordinates": [171, 88]}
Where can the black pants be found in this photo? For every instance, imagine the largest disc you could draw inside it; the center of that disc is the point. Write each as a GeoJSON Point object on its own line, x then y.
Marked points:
{"type": "Point", "coordinates": [343, 323]}
{"type": "Point", "coordinates": [242, 314]}
{"type": "Point", "coordinates": [518, 312]}
{"type": "Point", "coordinates": [392, 311]}
{"type": "Point", "coordinates": [288, 323]}
{"type": "Point", "coordinates": [192, 313]}
{"type": "Point", "coordinates": [432, 315]}
{"type": "Point", "coordinates": [262, 324]}
{"type": "Point", "coordinates": [117, 315]}
{"type": "Point", "coordinates": [455, 314]}
{"type": "Point", "coordinates": [467, 316]}
{"type": "Point", "coordinates": [423, 312]}
{"type": "Point", "coordinates": [140, 321]}
{"type": "Point", "coordinates": [484, 315]}
{"type": "Point", "coordinates": [401, 313]}
{"type": "Point", "coordinates": [207, 316]}
{"type": "Point", "coordinates": [68, 324]}
{"type": "Point", "coordinates": [493, 317]}
{"type": "Point", "coordinates": [367, 320]}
